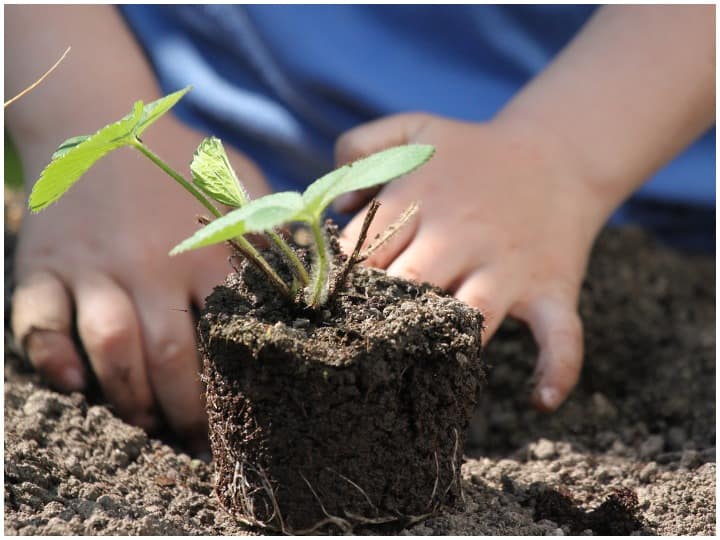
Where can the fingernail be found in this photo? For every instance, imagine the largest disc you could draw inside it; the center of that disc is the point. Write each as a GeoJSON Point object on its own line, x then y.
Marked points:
{"type": "Point", "coordinates": [73, 379]}
{"type": "Point", "coordinates": [549, 397]}
{"type": "Point", "coordinates": [343, 202]}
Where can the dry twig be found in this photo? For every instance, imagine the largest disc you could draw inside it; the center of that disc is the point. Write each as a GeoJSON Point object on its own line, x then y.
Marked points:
{"type": "Point", "coordinates": [36, 83]}
{"type": "Point", "coordinates": [391, 231]}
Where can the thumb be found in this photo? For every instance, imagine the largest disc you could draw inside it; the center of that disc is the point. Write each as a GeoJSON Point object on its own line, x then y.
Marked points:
{"type": "Point", "coordinates": [369, 138]}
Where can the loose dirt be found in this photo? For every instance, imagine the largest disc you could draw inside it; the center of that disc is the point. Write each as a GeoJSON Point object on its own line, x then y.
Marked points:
{"type": "Point", "coordinates": [633, 450]}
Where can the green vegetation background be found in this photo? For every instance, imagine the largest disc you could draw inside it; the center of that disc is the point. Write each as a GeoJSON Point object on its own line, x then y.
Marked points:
{"type": "Point", "coordinates": [13, 165]}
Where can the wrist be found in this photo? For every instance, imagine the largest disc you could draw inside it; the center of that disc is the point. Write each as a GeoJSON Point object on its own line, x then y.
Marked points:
{"type": "Point", "coordinates": [587, 185]}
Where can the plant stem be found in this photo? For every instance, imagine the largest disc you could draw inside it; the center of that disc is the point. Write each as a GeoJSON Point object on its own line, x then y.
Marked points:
{"type": "Point", "coordinates": [253, 255]}
{"type": "Point", "coordinates": [320, 275]}
{"type": "Point", "coordinates": [247, 250]}
{"type": "Point", "coordinates": [195, 192]}
{"type": "Point", "coordinates": [240, 243]}
{"type": "Point", "coordinates": [298, 268]}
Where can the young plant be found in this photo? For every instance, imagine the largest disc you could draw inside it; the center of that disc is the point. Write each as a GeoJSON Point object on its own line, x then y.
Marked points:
{"type": "Point", "coordinates": [213, 179]}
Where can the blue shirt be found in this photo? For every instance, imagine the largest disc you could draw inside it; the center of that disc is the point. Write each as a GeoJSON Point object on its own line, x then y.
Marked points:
{"type": "Point", "coordinates": [282, 82]}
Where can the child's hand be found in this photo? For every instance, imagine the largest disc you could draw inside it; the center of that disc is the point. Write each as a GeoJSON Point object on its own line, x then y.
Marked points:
{"type": "Point", "coordinates": [506, 223]}
{"type": "Point", "coordinates": [99, 260]}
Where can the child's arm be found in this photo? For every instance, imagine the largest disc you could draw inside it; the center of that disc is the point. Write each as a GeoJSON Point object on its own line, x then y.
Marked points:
{"type": "Point", "coordinates": [510, 209]}
{"type": "Point", "coordinates": [99, 258]}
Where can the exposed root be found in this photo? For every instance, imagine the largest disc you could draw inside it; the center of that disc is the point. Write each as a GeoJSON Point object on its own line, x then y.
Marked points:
{"type": "Point", "coordinates": [361, 490]}
{"type": "Point", "coordinates": [362, 520]}
{"type": "Point", "coordinates": [341, 523]}
{"type": "Point", "coordinates": [437, 478]}
{"type": "Point", "coordinates": [243, 494]}
{"type": "Point", "coordinates": [453, 464]}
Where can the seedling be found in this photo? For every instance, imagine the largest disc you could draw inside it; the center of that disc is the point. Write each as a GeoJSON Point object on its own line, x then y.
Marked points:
{"type": "Point", "coordinates": [214, 181]}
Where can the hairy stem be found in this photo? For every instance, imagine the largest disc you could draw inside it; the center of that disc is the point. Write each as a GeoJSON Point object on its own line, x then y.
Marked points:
{"type": "Point", "coordinates": [239, 243]}
{"type": "Point", "coordinates": [320, 275]}
{"type": "Point", "coordinates": [297, 265]}
{"type": "Point", "coordinates": [195, 192]}
{"type": "Point", "coordinates": [247, 250]}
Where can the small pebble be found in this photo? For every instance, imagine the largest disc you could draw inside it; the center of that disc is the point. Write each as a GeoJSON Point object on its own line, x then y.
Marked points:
{"type": "Point", "coordinates": [648, 471]}
{"type": "Point", "coordinates": [543, 449]}
{"type": "Point", "coordinates": [119, 458]}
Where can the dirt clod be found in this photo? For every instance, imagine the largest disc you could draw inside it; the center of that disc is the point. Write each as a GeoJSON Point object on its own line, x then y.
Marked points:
{"type": "Point", "coordinates": [307, 421]}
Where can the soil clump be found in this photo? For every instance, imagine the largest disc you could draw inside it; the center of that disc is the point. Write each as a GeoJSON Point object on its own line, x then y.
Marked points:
{"type": "Point", "coordinates": [354, 413]}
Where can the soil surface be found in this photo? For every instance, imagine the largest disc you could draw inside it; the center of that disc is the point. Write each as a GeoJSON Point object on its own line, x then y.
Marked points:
{"type": "Point", "coordinates": [632, 450]}
{"type": "Point", "coordinates": [351, 414]}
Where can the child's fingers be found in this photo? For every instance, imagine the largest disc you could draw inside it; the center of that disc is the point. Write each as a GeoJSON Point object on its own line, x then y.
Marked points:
{"type": "Point", "coordinates": [430, 257]}
{"type": "Point", "coordinates": [482, 291]}
{"type": "Point", "coordinates": [41, 315]}
{"type": "Point", "coordinates": [172, 360]}
{"type": "Point", "coordinates": [108, 328]}
{"type": "Point", "coordinates": [378, 135]}
{"type": "Point", "coordinates": [557, 329]}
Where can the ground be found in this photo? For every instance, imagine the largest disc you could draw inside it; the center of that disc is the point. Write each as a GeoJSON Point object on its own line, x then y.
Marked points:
{"type": "Point", "coordinates": [638, 434]}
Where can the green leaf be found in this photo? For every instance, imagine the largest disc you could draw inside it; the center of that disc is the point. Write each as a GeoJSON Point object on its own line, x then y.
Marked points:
{"type": "Point", "coordinates": [155, 109]}
{"type": "Point", "coordinates": [76, 155]}
{"type": "Point", "coordinates": [213, 174]}
{"type": "Point", "coordinates": [373, 170]}
{"type": "Point", "coordinates": [73, 162]}
{"type": "Point", "coordinates": [260, 215]}
{"type": "Point", "coordinates": [68, 145]}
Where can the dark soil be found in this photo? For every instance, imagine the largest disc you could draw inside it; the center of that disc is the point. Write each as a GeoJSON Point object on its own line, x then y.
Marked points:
{"type": "Point", "coordinates": [356, 413]}
{"type": "Point", "coordinates": [642, 422]}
